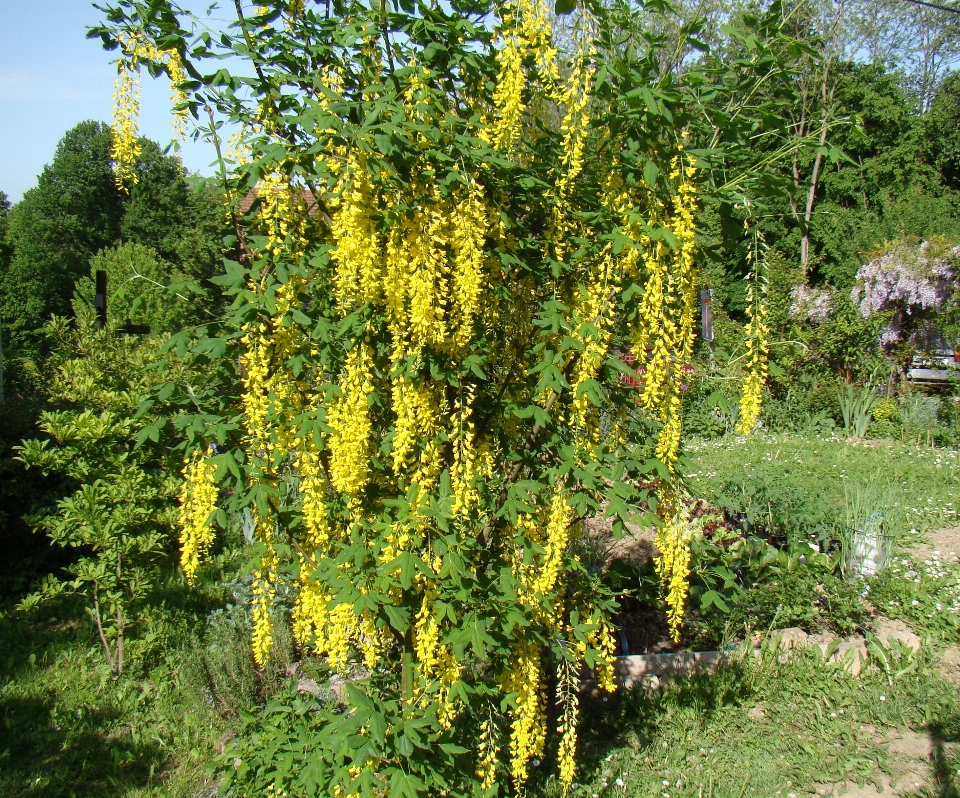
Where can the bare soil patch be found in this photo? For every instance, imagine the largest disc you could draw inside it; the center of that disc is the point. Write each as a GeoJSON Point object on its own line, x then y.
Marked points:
{"type": "Point", "coordinates": [945, 542]}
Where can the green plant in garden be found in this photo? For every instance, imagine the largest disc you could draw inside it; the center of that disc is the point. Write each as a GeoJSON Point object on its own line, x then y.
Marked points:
{"type": "Point", "coordinates": [855, 409]}
{"type": "Point", "coordinates": [918, 415]}
{"type": "Point", "coordinates": [749, 585]}
{"type": "Point", "coordinates": [454, 221]}
{"type": "Point", "coordinates": [120, 516]}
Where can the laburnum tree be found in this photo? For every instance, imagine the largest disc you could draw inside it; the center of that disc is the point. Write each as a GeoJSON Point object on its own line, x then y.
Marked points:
{"type": "Point", "coordinates": [455, 224]}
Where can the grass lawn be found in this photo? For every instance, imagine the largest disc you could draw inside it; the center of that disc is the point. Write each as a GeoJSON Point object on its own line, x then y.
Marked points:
{"type": "Point", "coordinates": [71, 730]}
{"type": "Point", "coordinates": [769, 728]}
{"type": "Point", "coordinates": [926, 481]}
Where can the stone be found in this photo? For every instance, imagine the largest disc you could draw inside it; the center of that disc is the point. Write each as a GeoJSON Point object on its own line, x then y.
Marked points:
{"type": "Point", "coordinates": [793, 637]}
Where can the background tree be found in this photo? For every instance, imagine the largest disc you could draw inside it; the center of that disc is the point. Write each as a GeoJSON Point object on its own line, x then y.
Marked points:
{"type": "Point", "coordinates": [76, 210]}
{"type": "Point", "coordinates": [118, 511]}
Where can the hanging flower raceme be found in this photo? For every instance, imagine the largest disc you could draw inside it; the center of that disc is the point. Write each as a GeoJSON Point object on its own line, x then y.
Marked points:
{"type": "Point", "coordinates": [527, 35]}
{"type": "Point", "coordinates": [138, 49]}
{"type": "Point", "coordinates": [198, 503]}
{"type": "Point", "coordinates": [664, 336]}
{"type": "Point", "coordinates": [349, 420]}
{"type": "Point", "coordinates": [757, 349]}
{"type": "Point", "coordinates": [673, 564]}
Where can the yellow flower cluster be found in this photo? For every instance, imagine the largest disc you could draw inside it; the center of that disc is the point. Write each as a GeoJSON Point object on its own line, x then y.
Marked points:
{"type": "Point", "coordinates": [540, 570]}
{"type": "Point", "coordinates": [349, 420]}
{"type": "Point", "coordinates": [527, 34]}
{"type": "Point", "coordinates": [438, 665]}
{"type": "Point", "coordinates": [574, 96]}
{"type": "Point", "coordinates": [255, 376]}
{"type": "Point", "coordinates": [271, 403]}
{"type": "Point", "coordinates": [596, 313]}
{"type": "Point", "coordinates": [523, 679]}
{"type": "Point", "coordinates": [428, 274]}
{"type": "Point", "coordinates": [663, 343]}
{"type": "Point", "coordinates": [488, 754]}
{"type": "Point", "coordinates": [471, 462]}
{"type": "Point", "coordinates": [359, 249]}
{"type": "Point", "coordinates": [673, 564]}
{"type": "Point", "coordinates": [198, 502]}
{"type": "Point", "coordinates": [283, 215]}
{"type": "Point", "coordinates": [568, 686]}
{"type": "Point", "coordinates": [757, 350]}
{"type": "Point", "coordinates": [264, 581]}
{"type": "Point", "coordinates": [125, 150]}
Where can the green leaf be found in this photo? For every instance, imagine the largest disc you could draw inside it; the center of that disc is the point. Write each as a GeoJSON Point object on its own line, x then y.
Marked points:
{"type": "Point", "coordinates": [405, 785]}
{"type": "Point", "coordinates": [565, 6]}
{"type": "Point", "coordinates": [650, 173]}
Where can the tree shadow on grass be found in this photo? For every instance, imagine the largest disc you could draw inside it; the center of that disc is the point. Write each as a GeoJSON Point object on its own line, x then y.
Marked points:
{"type": "Point", "coordinates": [945, 759]}
{"type": "Point", "coordinates": [44, 754]}
{"type": "Point", "coordinates": [631, 717]}
{"type": "Point", "coordinates": [61, 730]}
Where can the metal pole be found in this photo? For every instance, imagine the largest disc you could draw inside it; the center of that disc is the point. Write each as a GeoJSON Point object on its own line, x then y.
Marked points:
{"type": "Point", "coordinates": [706, 321]}
{"type": "Point", "coordinates": [100, 300]}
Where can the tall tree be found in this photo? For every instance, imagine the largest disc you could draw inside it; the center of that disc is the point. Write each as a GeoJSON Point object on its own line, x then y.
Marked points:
{"type": "Point", "coordinates": [942, 131]}
{"type": "Point", "coordinates": [76, 210]}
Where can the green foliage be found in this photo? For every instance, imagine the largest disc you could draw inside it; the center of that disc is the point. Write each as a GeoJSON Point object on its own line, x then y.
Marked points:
{"type": "Point", "coordinates": [855, 406]}
{"type": "Point", "coordinates": [924, 591]}
{"type": "Point", "coordinates": [276, 750]}
{"type": "Point", "coordinates": [120, 514]}
{"type": "Point", "coordinates": [768, 499]}
{"type": "Point", "coordinates": [141, 288]}
{"type": "Point", "coordinates": [748, 586]}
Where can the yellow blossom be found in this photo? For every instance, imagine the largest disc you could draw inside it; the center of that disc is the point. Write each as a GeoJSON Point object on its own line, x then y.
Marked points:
{"type": "Point", "coordinates": [198, 502]}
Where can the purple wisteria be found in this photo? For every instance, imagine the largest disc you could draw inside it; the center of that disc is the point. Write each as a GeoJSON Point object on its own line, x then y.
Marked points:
{"type": "Point", "coordinates": [910, 280]}
{"type": "Point", "coordinates": [812, 304]}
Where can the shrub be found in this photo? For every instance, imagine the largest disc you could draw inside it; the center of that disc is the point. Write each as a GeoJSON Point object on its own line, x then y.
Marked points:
{"type": "Point", "coordinates": [120, 515]}
{"type": "Point", "coordinates": [451, 228]}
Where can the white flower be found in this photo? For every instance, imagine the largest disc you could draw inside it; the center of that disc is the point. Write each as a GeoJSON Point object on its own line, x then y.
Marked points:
{"type": "Point", "coordinates": [619, 783]}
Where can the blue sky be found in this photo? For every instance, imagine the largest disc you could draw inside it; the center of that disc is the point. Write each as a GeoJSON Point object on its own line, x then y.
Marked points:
{"type": "Point", "coordinates": [52, 77]}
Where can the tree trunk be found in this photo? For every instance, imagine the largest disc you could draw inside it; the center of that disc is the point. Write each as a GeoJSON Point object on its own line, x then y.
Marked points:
{"type": "Point", "coordinates": [811, 196]}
